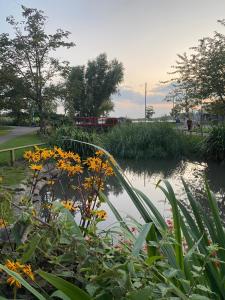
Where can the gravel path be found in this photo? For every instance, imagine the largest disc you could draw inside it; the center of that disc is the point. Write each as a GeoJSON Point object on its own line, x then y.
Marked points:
{"type": "Point", "coordinates": [17, 131]}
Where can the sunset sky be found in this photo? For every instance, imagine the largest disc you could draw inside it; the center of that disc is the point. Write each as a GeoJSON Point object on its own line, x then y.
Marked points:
{"type": "Point", "coordinates": [145, 35]}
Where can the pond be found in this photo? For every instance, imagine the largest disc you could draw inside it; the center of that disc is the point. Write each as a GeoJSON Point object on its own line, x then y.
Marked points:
{"type": "Point", "coordinates": [144, 176]}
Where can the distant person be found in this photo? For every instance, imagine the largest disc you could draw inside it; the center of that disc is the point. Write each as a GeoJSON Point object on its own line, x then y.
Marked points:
{"type": "Point", "coordinates": [189, 124]}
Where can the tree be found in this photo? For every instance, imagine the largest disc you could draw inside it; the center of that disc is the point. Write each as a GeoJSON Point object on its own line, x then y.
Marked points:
{"type": "Point", "coordinates": [200, 77]}
{"type": "Point", "coordinates": [28, 55]}
{"type": "Point", "coordinates": [89, 89]}
{"type": "Point", "coordinates": [149, 112]}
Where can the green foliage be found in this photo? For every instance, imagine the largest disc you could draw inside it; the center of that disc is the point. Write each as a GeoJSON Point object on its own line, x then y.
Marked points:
{"type": "Point", "coordinates": [89, 89]}
{"type": "Point", "coordinates": [151, 261]}
{"type": "Point", "coordinates": [200, 75]}
{"type": "Point", "coordinates": [27, 56]}
{"type": "Point", "coordinates": [214, 143]}
{"type": "Point", "coordinates": [146, 141]}
{"type": "Point", "coordinates": [63, 134]}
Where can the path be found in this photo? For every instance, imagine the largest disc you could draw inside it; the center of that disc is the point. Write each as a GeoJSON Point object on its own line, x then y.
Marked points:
{"type": "Point", "coordinates": [17, 131]}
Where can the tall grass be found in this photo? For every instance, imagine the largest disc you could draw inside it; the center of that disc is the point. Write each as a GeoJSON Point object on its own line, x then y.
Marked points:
{"type": "Point", "coordinates": [150, 141]}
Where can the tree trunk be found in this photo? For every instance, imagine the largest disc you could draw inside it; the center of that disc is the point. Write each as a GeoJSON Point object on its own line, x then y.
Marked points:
{"type": "Point", "coordinates": [42, 117]}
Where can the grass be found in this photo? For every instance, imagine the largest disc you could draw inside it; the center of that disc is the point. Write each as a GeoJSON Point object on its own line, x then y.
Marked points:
{"type": "Point", "coordinates": [150, 141]}
{"type": "Point", "coordinates": [4, 130]}
{"type": "Point", "coordinates": [14, 175]}
{"type": "Point", "coordinates": [23, 140]}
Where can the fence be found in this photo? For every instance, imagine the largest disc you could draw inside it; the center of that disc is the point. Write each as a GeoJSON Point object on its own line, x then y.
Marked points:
{"type": "Point", "coordinates": [12, 151]}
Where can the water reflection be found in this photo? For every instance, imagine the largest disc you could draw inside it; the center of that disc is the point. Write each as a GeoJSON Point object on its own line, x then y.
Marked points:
{"type": "Point", "coordinates": [144, 175]}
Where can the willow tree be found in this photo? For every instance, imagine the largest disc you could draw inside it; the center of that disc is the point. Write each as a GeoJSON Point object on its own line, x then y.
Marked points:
{"type": "Point", "coordinates": [89, 88]}
{"type": "Point", "coordinates": [29, 52]}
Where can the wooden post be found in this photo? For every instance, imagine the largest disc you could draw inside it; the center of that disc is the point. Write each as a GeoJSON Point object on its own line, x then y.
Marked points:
{"type": "Point", "coordinates": [12, 157]}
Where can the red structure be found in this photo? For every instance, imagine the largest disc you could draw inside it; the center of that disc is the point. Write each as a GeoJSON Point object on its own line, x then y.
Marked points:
{"type": "Point", "coordinates": [95, 122]}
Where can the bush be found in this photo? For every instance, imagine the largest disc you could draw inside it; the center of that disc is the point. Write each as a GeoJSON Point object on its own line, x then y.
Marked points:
{"type": "Point", "coordinates": [74, 133]}
{"type": "Point", "coordinates": [214, 144]}
{"type": "Point", "coordinates": [150, 141]}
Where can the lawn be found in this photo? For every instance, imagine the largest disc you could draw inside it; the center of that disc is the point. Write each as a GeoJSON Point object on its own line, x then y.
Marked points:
{"type": "Point", "coordinates": [14, 175]}
{"type": "Point", "coordinates": [27, 139]}
{"type": "Point", "coordinates": [4, 130]}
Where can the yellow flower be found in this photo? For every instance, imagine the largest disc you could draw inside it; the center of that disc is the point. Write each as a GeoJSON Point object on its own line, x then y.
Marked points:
{"type": "Point", "coordinates": [68, 204]}
{"type": "Point", "coordinates": [28, 271]}
{"type": "Point", "coordinates": [1, 179]}
{"type": "Point", "coordinates": [72, 170]}
{"type": "Point", "coordinates": [99, 153]}
{"type": "Point", "coordinates": [50, 182]}
{"type": "Point", "coordinates": [28, 155]}
{"type": "Point", "coordinates": [36, 167]}
{"type": "Point", "coordinates": [34, 213]}
{"type": "Point", "coordinates": [47, 205]}
{"type": "Point", "coordinates": [2, 223]}
{"type": "Point", "coordinates": [12, 281]}
{"type": "Point", "coordinates": [101, 214]}
{"type": "Point", "coordinates": [46, 154]}
{"type": "Point", "coordinates": [107, 168]}
{"type": "Point", "coordinates": [93, 182]}
{"type": "Point", "coordinates": [20, 269]}
{"type": "Point", "coordinates": [11, 265]}
{"type": "Point", "coordinates": [94, 164]}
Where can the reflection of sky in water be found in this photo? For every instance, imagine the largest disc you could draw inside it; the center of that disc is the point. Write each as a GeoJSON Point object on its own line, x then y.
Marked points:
{"type": "Point", "coordinates": [145, 175]}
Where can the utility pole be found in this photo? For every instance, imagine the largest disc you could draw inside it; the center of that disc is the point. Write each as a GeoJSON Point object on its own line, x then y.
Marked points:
{"type": "Point", "coordinates": [145, 98]}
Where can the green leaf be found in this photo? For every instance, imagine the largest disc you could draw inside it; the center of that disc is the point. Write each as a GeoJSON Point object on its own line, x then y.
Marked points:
{"type": "Point", "coordinates": [152, 259]}
{"type": "Point", "coordinates": [59, 294]}
{"type": "Point", "coordinates": [103, 197]}
{"type": "Point", "coordinates": [70, 290]}
{"type": "Point", "coordinates": [33, 243]}
{"type": "Point", "coordinates": [198, 297]}
{"type": "Point", "coordinates": [23, 282]}
{"type": "Point", "coordinates": [143, 294]}
{"type": "Point", "coordinates": [170, 273]}
{"type": "Point", "coordinates": [141, 239]}
{"type": "Point", "coordinates": [169, 193]}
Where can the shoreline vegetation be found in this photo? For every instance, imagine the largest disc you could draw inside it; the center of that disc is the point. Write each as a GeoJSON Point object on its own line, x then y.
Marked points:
{"type": "Point", "coordinates": [48, 253]}
{"type": "Point", "coordinates": [150, 141]}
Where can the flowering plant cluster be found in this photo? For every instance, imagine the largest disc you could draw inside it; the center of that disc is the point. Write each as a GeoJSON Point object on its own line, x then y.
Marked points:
{"type": "Point", "coordinates": [85, 177]}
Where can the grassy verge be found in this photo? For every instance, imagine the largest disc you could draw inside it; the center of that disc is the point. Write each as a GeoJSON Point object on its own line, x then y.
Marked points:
{"type": "Point", "coordinates": [14, 175]}
{"type": "Point", "coordinates": [4, 130]}
{"type": "Point", "coordinates": [23, 140]}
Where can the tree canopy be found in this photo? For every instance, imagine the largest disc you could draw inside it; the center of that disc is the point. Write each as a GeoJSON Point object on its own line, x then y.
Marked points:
{"type": "Point", "coordinates": [89, 88]}
{"type": "Point", "coordinates": [200, 76]}
{"type": "Point", "coordinates": [149, 112]}
{"type": "Point", "coordinates": [28, 57]}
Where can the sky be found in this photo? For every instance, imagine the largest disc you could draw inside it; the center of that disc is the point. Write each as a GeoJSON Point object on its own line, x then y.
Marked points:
{"type": "Point", "coordinates": [145, 35]}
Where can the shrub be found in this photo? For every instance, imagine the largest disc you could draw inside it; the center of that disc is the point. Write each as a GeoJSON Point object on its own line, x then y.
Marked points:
{"type": "Point", "coordinates": [214, 144]}
{"type": "Point", "coordinates": [73, 132]}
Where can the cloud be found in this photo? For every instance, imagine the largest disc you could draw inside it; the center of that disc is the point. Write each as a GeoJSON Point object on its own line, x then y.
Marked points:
{"type": "Point", "coordinates": [131, 103]}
